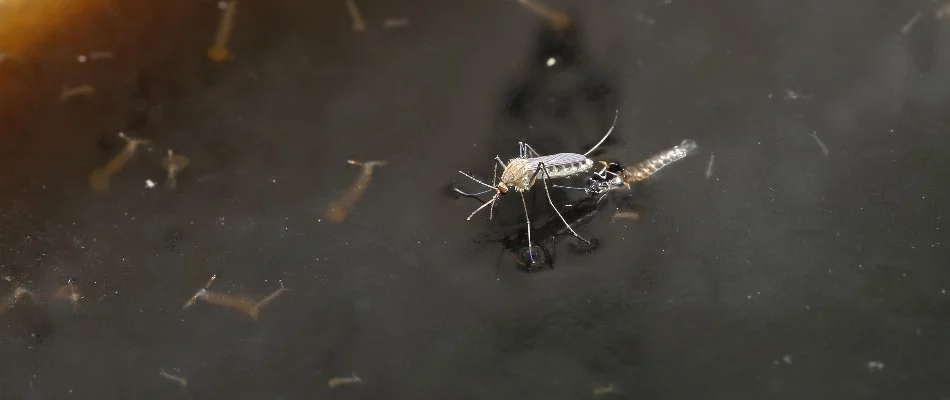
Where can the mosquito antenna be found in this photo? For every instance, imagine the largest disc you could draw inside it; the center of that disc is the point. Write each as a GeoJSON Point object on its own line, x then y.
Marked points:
{"type": "Point", "coordinates": [476, 180]}
{"type": "Point", "coordinates": [490, 202]}
{"type": "Point", "coordinates": [472, 195]}
{"type": "Point", "coordinates": [617, 114]}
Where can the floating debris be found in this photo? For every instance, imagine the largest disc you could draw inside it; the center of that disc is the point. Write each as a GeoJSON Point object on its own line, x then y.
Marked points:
{"type": "Point", "coordinates": [358, 24]}
{"type": "Point", "coordinates": [338, 210]}
{"type": "Point", "coordinates": [875, 366]}
{"type": "Point", "coordinates": [219, 51]}
{"type": "Point", "coordinates": [333, 383]}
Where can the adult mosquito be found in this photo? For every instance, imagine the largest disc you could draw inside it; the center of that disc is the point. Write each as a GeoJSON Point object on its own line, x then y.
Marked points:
{"type": "Point", "coordinates": [521, 173]}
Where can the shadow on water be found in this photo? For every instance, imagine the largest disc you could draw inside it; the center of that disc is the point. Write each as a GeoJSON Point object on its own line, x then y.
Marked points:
{"type": "Point", "coordinates": [563, 95]}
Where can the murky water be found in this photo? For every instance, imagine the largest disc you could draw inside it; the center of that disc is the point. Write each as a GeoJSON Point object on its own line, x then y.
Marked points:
{"type": "Point", "coordinates": [792, 270]}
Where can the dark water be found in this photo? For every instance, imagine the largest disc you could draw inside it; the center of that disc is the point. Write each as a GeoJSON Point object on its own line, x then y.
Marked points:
{"type": "Point", "coordinates": [788, 273]}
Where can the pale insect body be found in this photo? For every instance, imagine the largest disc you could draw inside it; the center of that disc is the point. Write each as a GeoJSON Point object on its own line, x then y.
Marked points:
{"type": "Point", "coordinates": [611, 176]}
{"type": "Point", "coordinates": [521, 173]}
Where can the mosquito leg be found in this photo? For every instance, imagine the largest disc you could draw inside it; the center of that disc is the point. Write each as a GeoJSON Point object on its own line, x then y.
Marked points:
{"type": "Point", "coordinates": [527, 218]}
{"type": "Point", "coordinates": [494, 176]}
{"type": "Point", "coordinates": [530, 151]}
{"type": "Point", "coordinates": [475, 195]}
{"type": "Point", "coordinates": [567, 187]}
{"type": "Point", "coordinates": [544, 182]}
{"type": "Point", "coordinates": [503, 166]}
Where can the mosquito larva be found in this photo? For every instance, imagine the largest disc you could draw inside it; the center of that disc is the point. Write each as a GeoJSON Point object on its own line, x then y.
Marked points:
{"type": "Point", "coordinates": [942, 11]}
{"type": "Point", "coordinates": [69, 293]}
{"type": "Point", "coordinates": [709, 168]}
{"type": "Point", "coordinates": [600, 391]}
{"type": "Point", "coordinates": [631, 215]}
{"type": "Point", "coordinates": [910, 23]}
{"type": "Point", "coordinates": [396, 23]}
{"type": "Point", "coordinates": [558, 20]}
{"type": "Point", "coordinates": [173, 164]}
{"type": "Point", "coordinates": [100, 177]}
{"type": "Point", "coordinates": [95, 55]}
{"type": "Point", "coordinates": [86, 90]}
{"type": "Point", "coordinates": [358, 24]}
{"type": "Point", "coordinates": [338, 210]}
{"type": "Point", "coordinates": [333, 383]}
{"type": "Point", "coordinates": [824, 149]}
{"type": "Point", "coordinates": [181, 381]}
{"type": "Point", "coordinates": [240, 303]}
{"type": "Point", "coordinates": [219, 48]}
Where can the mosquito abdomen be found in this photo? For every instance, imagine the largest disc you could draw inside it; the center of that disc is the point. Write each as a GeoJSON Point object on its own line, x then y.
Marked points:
{"type": "Point", "coordinates": [560, 165]}
{"type": "Point", "coordinates": [646, 168]}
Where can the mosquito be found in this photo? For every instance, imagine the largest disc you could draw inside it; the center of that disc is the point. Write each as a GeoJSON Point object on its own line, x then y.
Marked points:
{"type": "Point", "coordinates": [521, 173]}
